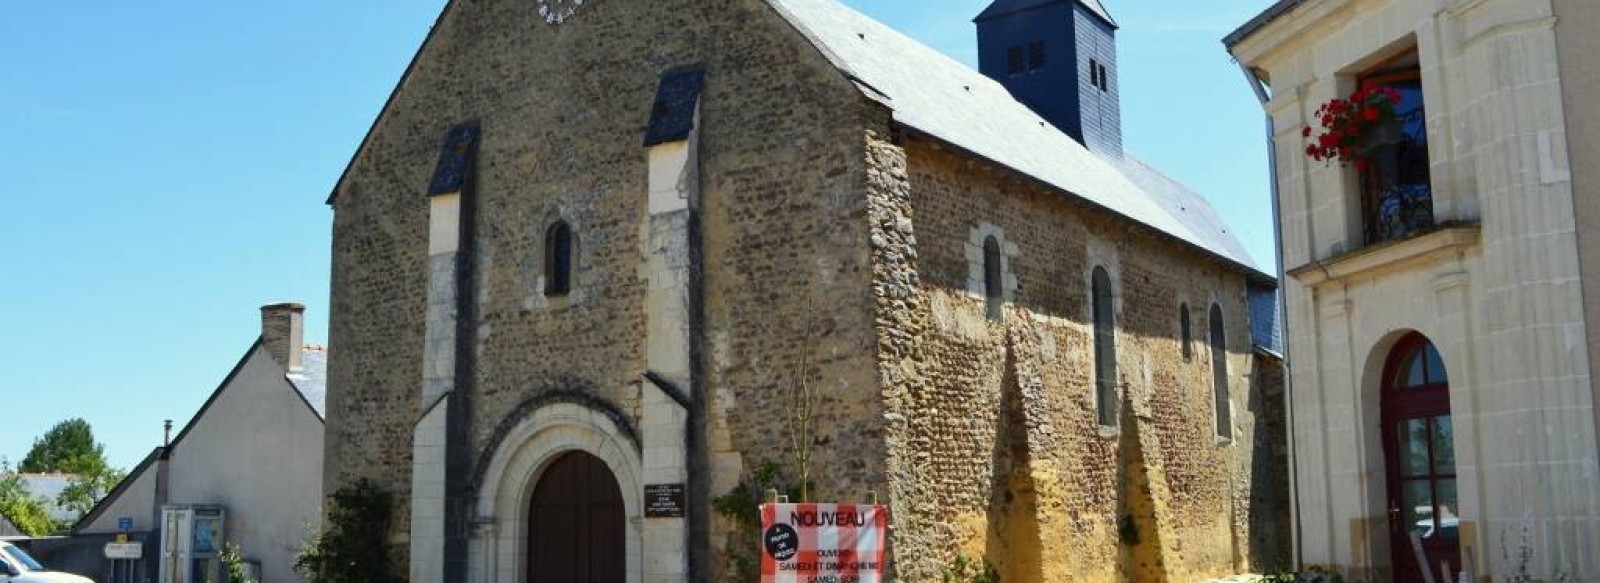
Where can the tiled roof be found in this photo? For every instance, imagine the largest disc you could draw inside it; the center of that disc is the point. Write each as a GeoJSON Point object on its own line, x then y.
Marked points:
{"type": "Point", "coordinates": [938, 96]}
{"type": "Point", "coordinates": [1000, 7]}
{"type": "Point", "coordinates": [312, 379]}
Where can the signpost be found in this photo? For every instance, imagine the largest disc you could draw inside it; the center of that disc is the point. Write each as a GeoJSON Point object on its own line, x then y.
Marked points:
{"type": "Point", "coordinates": [823, 543]}
{"type": "Point", "coordinates": [125, 551]}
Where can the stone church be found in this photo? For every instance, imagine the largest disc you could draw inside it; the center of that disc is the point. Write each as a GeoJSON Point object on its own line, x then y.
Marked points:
{"type": "Point", "coordinates": [594, 249]}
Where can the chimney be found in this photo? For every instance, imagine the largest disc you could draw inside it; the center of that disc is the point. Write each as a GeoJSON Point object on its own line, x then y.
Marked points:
{"type": "Point", "coordinates": [283, 333]}
{"type": "Point", "coordinates": [1058, 57]}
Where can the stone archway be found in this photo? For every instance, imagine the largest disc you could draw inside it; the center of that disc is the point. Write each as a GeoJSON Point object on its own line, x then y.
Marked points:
{"type": "Point", "coordinates": [505, 497]}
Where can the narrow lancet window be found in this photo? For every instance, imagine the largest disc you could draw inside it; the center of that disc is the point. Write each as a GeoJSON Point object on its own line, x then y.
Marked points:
{"type": "Point", "coordinates": [1186, 331]}
{"type": "Point", "coordinates": [558, 260]}
{"type": "Point", "coordinates": [1105, 349]}
{"type": "Point", "coordinates": [993, 278]}
{"type": "Point", "coordinates": [1219, 374]}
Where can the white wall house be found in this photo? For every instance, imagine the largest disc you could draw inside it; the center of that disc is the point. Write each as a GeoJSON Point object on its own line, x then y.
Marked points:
{"type": "Point", "coordinates": [252, 457]}
{"type": "Point", "coordinates": [1441, 296]}
{"type": "Point", "coordinates": [48, 487]}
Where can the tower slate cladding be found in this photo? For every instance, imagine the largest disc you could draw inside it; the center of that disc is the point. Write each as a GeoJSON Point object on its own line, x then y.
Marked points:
{"type": "Point", "coordinates": [1060, 58]}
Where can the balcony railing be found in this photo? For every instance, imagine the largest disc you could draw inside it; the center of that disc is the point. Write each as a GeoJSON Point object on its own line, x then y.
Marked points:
{"type": "Point", "coordinates": [1396, 187]}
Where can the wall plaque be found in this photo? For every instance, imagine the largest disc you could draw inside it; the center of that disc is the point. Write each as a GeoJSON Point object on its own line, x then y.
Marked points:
{"type": "Point", "coordinates": [664, 501]}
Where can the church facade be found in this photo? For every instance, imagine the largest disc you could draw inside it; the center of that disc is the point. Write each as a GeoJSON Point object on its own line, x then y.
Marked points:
{"type": "Point", "coordinates": [594, 250]}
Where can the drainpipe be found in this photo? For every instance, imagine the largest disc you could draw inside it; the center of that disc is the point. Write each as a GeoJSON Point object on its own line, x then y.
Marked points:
{"type": "Point", "coordinates": [1282, 309]}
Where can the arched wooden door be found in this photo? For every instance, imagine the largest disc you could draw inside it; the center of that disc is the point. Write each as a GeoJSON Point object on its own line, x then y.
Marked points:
{"type": "Point", "coordinates": [1419, 439]}
{"type": "Point", "coordinates": [576, 524]}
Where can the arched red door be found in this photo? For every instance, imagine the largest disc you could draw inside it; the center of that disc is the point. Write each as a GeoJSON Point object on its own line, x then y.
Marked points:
{"type": "Point", "coordinates": [576, 524]}
{"type": "Point", "coordinates": [1419, 442]}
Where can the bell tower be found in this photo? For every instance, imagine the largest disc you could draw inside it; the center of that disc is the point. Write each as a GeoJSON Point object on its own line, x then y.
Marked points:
{"type": "Point", "coordinates": [1058, 57]}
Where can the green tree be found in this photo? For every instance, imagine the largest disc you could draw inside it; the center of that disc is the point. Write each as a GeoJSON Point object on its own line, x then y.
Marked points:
{"type": "Point", "coordinates": [70, 448]}
{"type": "Point", "coordinates": [67, 448]}
{"type": "Point", "coordinates": [86, 488]}
{"type": "Point", "coordinates": [21, 507]}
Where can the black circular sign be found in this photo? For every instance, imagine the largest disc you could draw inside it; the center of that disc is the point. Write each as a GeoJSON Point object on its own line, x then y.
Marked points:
{"type": "Point", "coordinates": [782, 542]}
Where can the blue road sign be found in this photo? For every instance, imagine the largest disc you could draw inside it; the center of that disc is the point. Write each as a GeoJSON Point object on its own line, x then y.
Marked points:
{"type": "Point", "coordinates": [125, 524]}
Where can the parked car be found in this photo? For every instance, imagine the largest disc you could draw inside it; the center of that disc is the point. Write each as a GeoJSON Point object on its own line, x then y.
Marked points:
{"type": "Point", "coordinates": [17, 567]}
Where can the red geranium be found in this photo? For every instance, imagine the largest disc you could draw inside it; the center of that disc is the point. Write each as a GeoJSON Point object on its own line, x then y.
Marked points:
{"type": "Point", "coordinates": [1344, 121]}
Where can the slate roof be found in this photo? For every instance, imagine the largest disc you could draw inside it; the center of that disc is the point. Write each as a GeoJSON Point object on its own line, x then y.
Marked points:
{"type": "Point", "coordinates": [49, 487]}
{"type": "Point", "coordinates": [1266, 322]}
{"type": "Point", "coordinates": [1185, 205]}
{"type": "Point", "coordinates": [1272, 13]}
{"type": "Point", "coordinates": [944, 99]}
{"type": "Point", "coordinates": [312, 379]}
{"type": "Point", "coordinates": [1001, 7]}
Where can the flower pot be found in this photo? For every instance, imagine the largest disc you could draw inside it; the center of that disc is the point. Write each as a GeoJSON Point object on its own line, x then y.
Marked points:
{"type": "Point", "coordinates": [1380, 137]}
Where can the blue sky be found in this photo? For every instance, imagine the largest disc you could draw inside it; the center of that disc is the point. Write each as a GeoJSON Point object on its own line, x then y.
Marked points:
{"type": "Point", "coordinates": [164, 164]}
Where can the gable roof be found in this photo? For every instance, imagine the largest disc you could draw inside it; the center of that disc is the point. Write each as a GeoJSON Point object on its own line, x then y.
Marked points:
{"type": "Point", "coordinates": [9, 530]}
{"type": "Point", "coordinates": [93, 514]}
{"type": "Point", "coordinates": [311, 381]}
{"type": "Point", "coordinates": [944, 99]}
{"type": "Point", "coordinates": [1004, 7]}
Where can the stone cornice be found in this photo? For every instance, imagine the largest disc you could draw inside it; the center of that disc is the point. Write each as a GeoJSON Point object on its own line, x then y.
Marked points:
{"type": "Point", "coordinates": [1285, 30]}
{"type": "Point", "coordinates": [1444, 239]}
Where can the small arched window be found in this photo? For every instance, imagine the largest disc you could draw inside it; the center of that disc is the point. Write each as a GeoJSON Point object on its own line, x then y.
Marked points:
{"type": "Point", "coordinates": [1186, 332]}
{"type": "Point", "coordinates": [1219, 374]}
{"type": "Point", "coordinates": [558, 259]}
{"type": "Point", "coordinates": [993, 278]}
{"type": "Point", "coordinates": [1105, 349]}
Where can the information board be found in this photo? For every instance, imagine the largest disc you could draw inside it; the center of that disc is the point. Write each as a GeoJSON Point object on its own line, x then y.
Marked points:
{"type": "Point", "coordinates": [125, 551]}
{"type": "Point", "coordinates": [664, 501]}
{"type": "Point", "coordinates": [823, 543]}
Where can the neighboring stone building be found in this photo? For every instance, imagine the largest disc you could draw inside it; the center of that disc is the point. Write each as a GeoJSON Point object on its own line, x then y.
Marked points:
{"type": "Point", "coordinates": [48, 487]}
{"type": "Point", "coordinates": [588, 247]}
{"type": "Point", "coordinates": [247, 469]}
{"type": "Point", "coordinates": [1442, 300]}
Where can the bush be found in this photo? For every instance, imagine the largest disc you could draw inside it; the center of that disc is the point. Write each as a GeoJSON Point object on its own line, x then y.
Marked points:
{"type": "Point", "coordinates": [1312, 574]}
{"type": "Point", "coordinates": [969, 571]}
{"type": "Point", "coordinates": [353, 545]}
{"type": "Point", "coordinates": [24, 510]}
{"type": "Point", "coordinates": [232, 559]}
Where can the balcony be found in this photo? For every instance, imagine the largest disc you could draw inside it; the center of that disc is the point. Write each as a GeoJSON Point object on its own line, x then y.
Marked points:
{"type": "Point", "coordinates": [1395, 182]}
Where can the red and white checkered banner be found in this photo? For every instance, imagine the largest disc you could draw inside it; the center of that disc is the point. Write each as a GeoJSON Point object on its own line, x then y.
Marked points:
{"type": "Point", "coordinates": [823, 543]}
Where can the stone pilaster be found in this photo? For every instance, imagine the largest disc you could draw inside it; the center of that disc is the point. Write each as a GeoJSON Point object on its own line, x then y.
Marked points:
{"type": "Point", "coordinates": [428, 494]}
{"type": "Point", "coordinates": [672, 151]}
